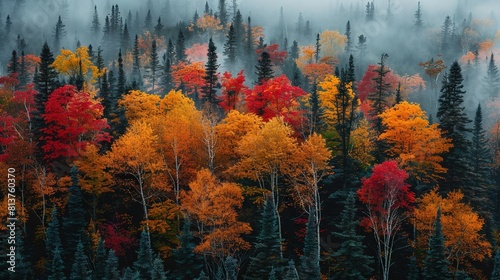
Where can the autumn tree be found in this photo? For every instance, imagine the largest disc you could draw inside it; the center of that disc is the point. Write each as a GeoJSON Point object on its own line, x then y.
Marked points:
{"type": "Point", "coordinates": [189, 78]}
{"type": "Point", "coordinates": [77, 64]}
{"type": "Point", "coordinates": [387, 198]}
{"type": "Point", "coordinates": [415, 143]}
{"type": "Point", "coordinates": [332, 43]}
{"type": "Point", "coordinates": [433, 69]}
{"type": "Point", "coordinates": [74, 120]}
{"type": "Point", "coordinates": [233, 91]}
{"type": "Point", "coordinates": [213, 205]}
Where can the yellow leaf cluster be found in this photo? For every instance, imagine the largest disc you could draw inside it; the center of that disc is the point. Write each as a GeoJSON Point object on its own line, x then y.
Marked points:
{"type": "Point", "coordinates": [362, 143]}
{"type": "Point", "coordinates": [332, 43]}
{"type": "Point", "coordinates": [71, 63]}
{"type": "Point", "coordinates": [332, 102]}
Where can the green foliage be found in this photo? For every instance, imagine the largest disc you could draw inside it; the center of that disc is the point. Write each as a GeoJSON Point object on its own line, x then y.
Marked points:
{"type": "Point", "coordinates": [80, 270]}
{"type": "Point", "coordinates": [74, 222]}
{"type": "Point", "coordinates": [189, 265]}
{"type": "Point", "coordinates": [208, 90]}
{"type": "Point", "coordinates": [435, 263]}
{"type": "Point", "coordinates": [130, 274]}
{"type": "Point", "coordinates": [309, 266]}
{"type": "Point", "coordinates": [144, 263]}
{"type": "Point", "coordinates": [231, 267]}
{"type": "Point", "coordinates": [52, 238]}
{"type": "Point", "coordinates": [112, 271]}
{"type": "Point", "coordinates": [413, 273]}
{"type": "Point", "coordinates": [100, 261]}
{"type": "Point", "coordinates": [264, 68]}
{"type": "Point", "coordinates": [158, 271]}
{"type": "Point", "coordinates": [56, 271]}
{"type": "Point", "coordinates": [495, 274]}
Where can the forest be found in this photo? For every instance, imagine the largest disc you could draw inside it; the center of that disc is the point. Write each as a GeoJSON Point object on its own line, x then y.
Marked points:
{"type": "Point", "coordinates": [255, 140]}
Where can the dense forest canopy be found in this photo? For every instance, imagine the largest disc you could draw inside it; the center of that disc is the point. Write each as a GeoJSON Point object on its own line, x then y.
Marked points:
{"type": "Point", "coordinates": [232, 139]}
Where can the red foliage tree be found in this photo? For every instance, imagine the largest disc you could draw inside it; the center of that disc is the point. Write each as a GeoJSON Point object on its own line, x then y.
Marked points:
{"type": "Point", "coordinates": [276, 97]}
{"type": "Point", "coordinates": [74, 120]}
{"type": "Point", "coordinates": [386, 196]}
{"type": "Point", "coordinates": [116, 236]}
{"type": "Point", "coordinates": [277, 56]}
{"type": "Point", "coordinates": [232, 90]}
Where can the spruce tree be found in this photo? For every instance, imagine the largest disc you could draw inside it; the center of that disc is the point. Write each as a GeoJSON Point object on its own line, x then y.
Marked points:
{"type": "Point", "coordinates": [130, 274]}
{"type": "Point", "coordinates": [294, 51]}
{"type": "Point", "coordinates": [105, 94]}
{"type": "Point", "coordinates": [188, 263]}
{"type": "Point", "coordinates": [125, 38]}
{"type": "Point", "coordinates": [111, 271]}
{"type": "Point", "coordinates": [291, 272]}
{"type": "Point", "coordinates": [231, 267]}
{"type": "Point", "coordinates": [492, 79]}
{"type": "Point", "coordinates": [230, 47]}
{"type": "Point", "coordinates": [180, 47]}
{"type": "Point", "coordinates": [453, 121]}
{"type": "Point", "coordinates": [121, 85]}
{"type": "Point", "coordinates": [316, 119]}
{"type": "Point", "coordinates": [264, 68]}
{"type": "Point", "coordinates": [136, 69]}
{"type": "Point", "coordinates": [59, 34]}
{"type": "Point", "coordinates": [399, 98]}
{"type": "Point", "coordinates": [148, 22]}
{"type": "Point", "coordinates": [99, 63]}
{"type": "Point", "coordinates": [144, 262]}
{"type": "Point", "coordinates": [239, 32]}
{"type": "Point", "coordinates": [24, 267]}
{"type": "Point", "coordinates": [418, 17]}
{"type": "Point", "coordinates": [350, 260]}
{"type": "Point", "coordinates": [74, 222]}
{"type": "Point", "coordinates": [446, 31]}
{"type": "Point", "coordinates": [317, 49]}
{"type": "Point", "coordinates": [413, 273]}
{"type": "Point", "coordinates": [100, 261]}
{"type": "Point", "coordinates": [309, 266]}
{"type": "Point", "coordinates": [167, 75]}
{"type": "Point", "coordinates": [209, 90]}
{"type": "Point", "coordinates": [52, 236]}
{"type": "Point", "coordinates": [436, 263]}
{"type": "Point", "coordinates": [159, 28]}
{"type": "Point", "coordinates": [80, 270]}
{"type": "Point", "coordinates": [13, 67]}
{"type": "Point", "coordinates": [495, 274]}
{"type": "Point", "coordinates": [170, 52]}
{"type": "Point", "coordinates": [154, 67]}
{"type": "Point", "coordinates": [222, 12]}
{"type": "Point", "coordinates": [157, 270]}
{"type": "Point", "coordinates": [56, 271]}
{"type": "Point", "coordinates": [348, 45]}
{"type": "Point", "coordinates": [96, 25]}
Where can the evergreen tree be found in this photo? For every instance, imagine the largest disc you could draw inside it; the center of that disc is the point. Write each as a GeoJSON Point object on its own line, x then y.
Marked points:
{"type": "Point", "coordinates": [56, 271]}
{"type": "Point", "coordinates": [436, 263]}
{"type": "Point", "coordinates": [461, 275]}
{"type": "Point", "coordinates": [348, 45]}
{"type": "Point", "coordinates": [111, 271]}
{"type": "Point", "coordinates": [399, 98]}
{"type": "Point", "coordinates": [231, 267]}
{"type": "Point", "coordinates": [209, 91]}
{"type": "Point", "coordinates": [157, 270]}
{"type": "Point", "coordinates": [52, 236]}
{"type": "Point", "coordinates": [170, 52]}
{"type": "Point", "coordinates": [418, 17]}
{"type": "Point", "coordinates": [23, 262]}
{"type": "Point", "coordinates": [316, 118]}
{"type": "Point", "coordinates": [144, 262]}
{"type": "Point", "coordinates": [188, 263]}
{"type": "Point", "coordinates": [249, 49]}
{"type": "Point", "coordinates": [318, 49]}
{"type": "Point", "coordinates": [154, 67]}
{"type": "Point", "coordinates": [167, 75]}
{"type": "Point", "coordinates": [74, 222]}
{"type": "Point", "coordinates": [13, 67]}
{"type": "Point", "coordinates": [107, 35]}
{"type": "Point", "coordinates": [350, 260]}
{"type": "Point", "coordinates": [492, 79]}
{"type": "Point", "coordinates": [96, 25]}
{"type": "Point", "coordinates": [454, 120]}
{"type": "Point", "coordinates": [267, 246]}
{"type": "Point", "coordinates": [202, 276]}
{"type": "Point", "coordinates": [136, 69]}
{"type": "Point", "coordinates": [222, 12]}
{"type": "Point", "coordinates": [148, 22]}
{"type": "Point", "coordinates": [294, 51]}
{"type": "Point", "coordinates": [59, 34]}
{"type": "Point", "coordinates": [291, 272]}
{"type": "Point", "coordinates": [413, 273]}
{"type": "Point", "coordinates": [8, 27]}
{"type": "Point", "coordinates": [99, 63]}
{"type": "Point", "coordinates": [495, 275]}
{"type": "Point", "coordinates": [264, 68]}
{"type": "Point", "coordinates": [239, 32]}
{"type": "Point", "coordinates": [125, 39]}
{"type": "Point", "coordinates": [100, 261]}
{"type": "Point", "coordinates": [80, 270]}
{"type": "Point", "coordinates": [180, 48]}
{"type": "Point", "coordinates": [159, 28]}
{"type": "Point", "coordinates": [309, 266]}
{"type": "Point", "coordinates": [230, 47]}
{"type": "Point", "coordinates": [446, 31]}
{"type": "Point", "coordinates": [379, 104]}
{"type": "Point", "coordinates": [121, 85]}
{"type": "Point", "coordinates": [130, 274]}
{"type": "Point", "coordinates": [105, 94]}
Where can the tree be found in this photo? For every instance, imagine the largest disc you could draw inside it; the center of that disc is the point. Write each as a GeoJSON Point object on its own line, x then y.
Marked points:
{"type": "Point", "coordinates": [454, 121]}
{"type": "Point", "coordinates": [121, 82]}
{"type": "Point", "coordinates": [332, 43]}
{"type": "Point", "coordinates": [80, 270]}
{"type": "Point", "coordinates": [77, 65]}
{"type": "Point", "coordinates": [230, 47]}
{"type": "Point", "coordinates": [264, 69]}
{"type": "Point", "coordinates": [148, 22]}
{"type": "Point", "coordinates": [446, 31]}
{"type": "Point", "coordinates": [95, 26]}
{"type": "Point", "coordinates": [436, 263]}
{"type": "Point", "coordinates": [418, 17]}
{"type": "Point", "coordinates": [52, 236]}
{"type": "Point", "coordinates": [144, 262]}
{"type": "Point", "coordinates": [233, 91]}
{"type": "Point", "coordinates": [309, 266]}
{"type": "Point", "coordinates": [379, 96]}
{"type": "Point", "coordinates": [74, 223]}
{"type": "Point", "coordinates": [157, 270]}
{"type": "Point", "coordinates": [111, 272]}
{"type": "Point", "coordinates": [56, 271]}
{"type": "Point", "coordinates": [386, 196]}
{"type": "Point", "coordinates": [136, 69]}
{"type": "Point", "coordinates": [495, 275]}
{"type": "Point", "coordinates": [125, 38]}
{"type": "Point", "coordinates": [350, 260]}
{"type": "Point", "coordinates": [100, 260]}
{"type": "Point", "coordinates": [154, 67]}
{"type": "Point", "coordinates": [348, 43]}
{"type": "Point", "coordinates": [73, 122]}
{"type": "Point", "coordinates": [415, 143]}
{"type": "Point", "coordinates": [180, 48]}
{"type": "Point", "coordinates": [211, 79]}
{"type": "Point", "coordinates": [189, 264]}
{"type": "Point", "coordinates": [492, 79]}
{"type": "Point", "coordinates": [59, 33]}
{"type": "Point", "coordinates": [158, 30]}
{"type": "Point", "coordinates": [13, 67]}
{"type": "Point", "coordinates": [223, 12]}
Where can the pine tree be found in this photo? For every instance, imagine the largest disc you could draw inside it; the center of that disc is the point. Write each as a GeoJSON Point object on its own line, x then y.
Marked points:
{"type": "Point", "coordinates": [148, 22]}
{"type": "Point", "coordinates": [96, 25]}
{"type": "Point", "coordinates": [309, 266]}
{"type": "Point", "coordinates": [413, 273]}
{"type": "Point", "coordinates": [170, 52]}
{"type": "Point", "coordinates": [264, 68]}
{"type": "Point", "coordinates": [294, 51]}
{"type": "Point", "coordinates": [446, 31]}
{"type": "Point", "coordinates": [267, 246]}
{"type": "Point", "coordinates": [180, 48]}
{"type": "Point", "coordinates": [23, 258]}
{"type": "Point", "coordinates": [348, 45]}
{"type": "Point", "coordinates": [399, 98]}
{"type": "Point", "coordinates": [318, 49]}
{"type": "Point", "coordinates": [144, 262]}
{"type": "Point", "coordinates": [80, 270]}
{"type": "Point", "coordinates": [154, 67]}
{"type": "Point", "coordinates": [454, 121]}
{"type": "Point", "coordinates": [249, 49]}
{"type": "Point", "coordinates": [436, 263]}
{"type": "Point", "coordinates": [136, 70]}
{"type": "Point", "coordinates": [492, 79]}
{"type": "Point", "coordinates": [13, 67]}
{"type": "Point", "coordinates": [230, 46]}
{"type": "Point", "coordinates": [495, 275]}
{"type": "Point", "coordinates": [111, 271]}
{"type": "Point", "coordinates": [130, 274]}
{"type": "Point", "coordinates": [107, 35]}
{"type": "Point", "coordinates": [125, 38]}
{"type": "Point", "coordinates": [239, 32]}
{"type": "Point", "coordinates": [167, 75]}
{"type": "Point", "coordinates": [157, 270]}
{"type": "Point", "coordinates": [100, 261]}
{"type": "Point", "coordinates": [350, 260]}
{"type": "Point", "coordinates": [56, 271]}
{"type": "Point", "coordinates": [418, 17]}
{"type": "Point", "coordinates": [209, 91]}
{"type": "Point", "coordinates": [222, 12]}
{"type": "Point", "coordinates": [74, 222]}
{"type": "Point", "coordinates": [316, 110]}
{"type": "Point", "coordinates": [59, 34]}
{"type": "Point", "coordinates": [291, 272]}
{"type": "Point", "coordinates": [122, 83]}
{"type": "Point", "coordinates": [231, 267]}
{"type": "Point", "coordinates": [99, 63]}
{"type": "Point", "coordinates": [159, 28]}
{"type": "Point", "coordinates": [188, 263]}
{"type": "Point", "coordinates": [105, 94]}
{"type": "Point", "coordinates": [52, 236]}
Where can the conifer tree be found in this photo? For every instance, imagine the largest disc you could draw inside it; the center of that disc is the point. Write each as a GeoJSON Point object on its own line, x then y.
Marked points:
{"type": "Point", "coordinates": [8, 27]}
{"type": "Point", "coordinates": [222, 12]}
{"type": "Point", "coordinates": [105, 94]}
{"type": "Point", "coordinates": [159, 28]}
{"type": "Point", "coordinates": [100, 261]}
{"type": "Point", "coordinates": [231, 267]}
{"type": "Point", "coordinates": [188, 263]}
{"type": "Point", "coordinates": [23, 258]}
{"type": "Point", "coordinates": [239, 31]}
{"type": "Point", "coordinates": [230, 46]}
{"type": "Point", "coordinates": [446, 31]}
{"type": "Point", "coordinates": [111, 271]}
{"type": "Point", "coordinates": [154, 67]}
{"type": "Point", "coordinates": [56, 271]}
{"type": "Point", "coordinates": [309, 267]}
{"type": "Point", "coordinates": [264, 68]}
{"type": "Point", "coordinates": [170, 52]}
{"type": "Point", "coordinates": [291, 272]}
{"type": "Point", "coordinates": [318, 49]}
{"type": "Point", "coordinates": [130, 274]}
{"type": "Point", "coordinates": [249, 49]}
{"type": "Point", "coordinates": [80, 270]}
{"type": "Point", "coordinates": [180, 48]}
{"type": "Point", "coordinates": [492, 79]}
{"type": "Point", "coordinates": [436, 263]}
{"type": "Point", "coordinates": [59, 34]}
{"type": "Point", "coordinates": [96, 25]}
{"type": "Point", "coordinates": [13, 67]}
{"type": "Point", "coordinates": [148, 22]}
{"type": "Point", "coordinates": [136, 69]}
{"type": "Point", "coordinates": [99, 63]}
{"type": "Point", "coordinates": [144, 262]}
{"type": "Point", "coordinates": [350, 260]}
{"type": "Point", "coordinates": [209, 91]}
{"type": "Point", "coordinates": [418, 17]}
{"type": "Point", "coordinates": [495, 274]}
{"type": "Point", "coordinates": [74, 222]}
{"type": "Point", "coordinates": [316, 110]}
{"type": "Point", "coordinates": [453, 121]}
{"type": "Point", "coordinates": [157, 270]}
{"type": "Point", "coordinates": [348, 44]}
{"type": "Point", "coordinates": [121, 85]}
{"type": "Point", "coordinates": [52, 236]}
{"type": "Point", "coordinates": [167, 75]}
{"type": "Point", "coordinates": [413, 273]}
{"type": "Point", "coordinates": [125, 38]}
{"type": "Point", "coordinates": [294, 51]}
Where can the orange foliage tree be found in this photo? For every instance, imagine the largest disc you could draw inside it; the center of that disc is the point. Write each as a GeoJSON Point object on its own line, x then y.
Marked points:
{"type": "Point", "coordinates": [189, 77]}
{"type": "Point", "coordinates": [233, 91]}
{"type": "Point", "coordinates": [416, 144]}
{"type": "Point", "coordinates": [461, 227]}
{"type": "Point", "coordinates": [213, 206]}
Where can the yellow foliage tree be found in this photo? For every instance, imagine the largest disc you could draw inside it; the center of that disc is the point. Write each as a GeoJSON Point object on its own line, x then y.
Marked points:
{"type": "Point", "coordinates": [74, 64]}
{"type": "Point", "coordinates": [213, 205]}
{"type": "Point", "coordinates": [140, 106]}
{"type": "Point", "coordinates": [333, 102]}
{"type": "Point", "coordinates": [417, 144]}
{"type": "Point", "coordinates": [306, 56]}
{"type": "Point", "coordinates": [362, 143]}
{"type": "Point", "coordinates": [461, 227]}
{"type": "Point", "coordinates": [332, 43]}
